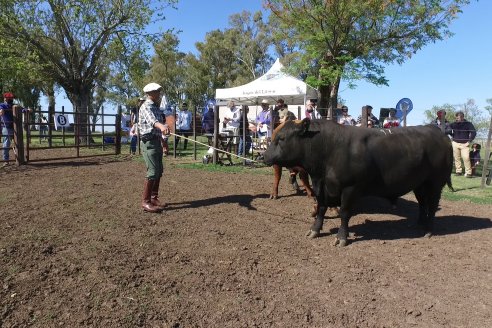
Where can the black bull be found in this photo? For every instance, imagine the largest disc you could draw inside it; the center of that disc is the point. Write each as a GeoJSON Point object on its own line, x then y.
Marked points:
{"type": "Point", "coordinates": [346, 163]}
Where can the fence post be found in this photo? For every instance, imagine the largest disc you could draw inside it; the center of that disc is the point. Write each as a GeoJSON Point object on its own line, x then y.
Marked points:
{"type": "Point", "coordinates": [50, 126]}
{"type": "Point", "coordinates": [215, 157]}
{"type": "Point", "coordinates": [102, 126]}
{"type": "Point", "coordinates": [485, 168]}
{"type": "Point", "coordinates": [174, 136]}
{"type": "Point", "coordinates": [118, 131]}
{"type": "Point", "coordinates": [63, 128]}
{"type": "Point", "coordinates": [18, 136]}
{"type": "Point", "coordinates": [194, 132]}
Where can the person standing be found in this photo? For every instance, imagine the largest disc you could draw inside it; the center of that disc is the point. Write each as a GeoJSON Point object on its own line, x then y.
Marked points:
{"type": "Point", "coordinates": [151, 127]}
{"type": "Point", "coordinates": [283, 110]}
{"type": "Point", "coordinates": [263, 119]}
{"type": "Point", "coordinates": [7, 123]}
{"type": "Point", "coordinates": [441, 118]}
{"type": "Point", "coordinates": [462, 132]}
{"type": "Point", "coordinates": [208, 119]}
{"type": "Point", "coordinates": [183, 124]}
{"type": "Point", "coordinates": [244, 142]}
{"type": "Point", "coordinates": [311, 112]}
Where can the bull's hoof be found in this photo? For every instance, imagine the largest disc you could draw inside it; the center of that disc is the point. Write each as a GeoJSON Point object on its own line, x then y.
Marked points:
{"type": "Point", "coordinates": [313, 234]}
{"type": "Point", "coordinates": [273, 196]}
{"type": "Point", "coordinates": [340, 242]}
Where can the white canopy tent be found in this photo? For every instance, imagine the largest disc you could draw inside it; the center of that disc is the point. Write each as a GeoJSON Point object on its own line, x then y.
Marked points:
{"type": "Point", "coordinates": [273, 85]}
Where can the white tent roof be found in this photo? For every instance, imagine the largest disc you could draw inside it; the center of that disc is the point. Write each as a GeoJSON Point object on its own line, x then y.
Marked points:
{"type": "Point", "coordinates": [272, 85]}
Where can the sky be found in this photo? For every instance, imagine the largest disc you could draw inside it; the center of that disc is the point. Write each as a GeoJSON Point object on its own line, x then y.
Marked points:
{"type": "Point", "coordinates": [447, 72]}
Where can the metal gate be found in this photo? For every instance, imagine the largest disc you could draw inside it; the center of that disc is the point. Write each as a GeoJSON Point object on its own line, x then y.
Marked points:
{"type": "Point", "coordinates": [53, 135]}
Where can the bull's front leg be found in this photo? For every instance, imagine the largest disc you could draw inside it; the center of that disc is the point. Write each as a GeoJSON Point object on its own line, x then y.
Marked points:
{"type": "Point", "coordinates": [277, 173]}
{"type": "Point", "coordinates": [318, 222]}
{"type": "Point", "coordinates": [342, 234]}
{"type": "Point", "coordinates": [347, 199]}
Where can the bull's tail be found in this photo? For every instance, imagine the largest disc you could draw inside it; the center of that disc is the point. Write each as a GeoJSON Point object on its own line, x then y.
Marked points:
{"type": "Point", "coordinates": [450, 185]}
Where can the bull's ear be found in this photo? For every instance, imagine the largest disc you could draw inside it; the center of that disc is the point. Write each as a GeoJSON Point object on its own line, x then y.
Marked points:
{"type": "Point", "coordinates": [304, 126]}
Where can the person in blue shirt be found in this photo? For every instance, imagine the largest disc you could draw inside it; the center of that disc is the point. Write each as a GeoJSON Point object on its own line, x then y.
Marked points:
{"type": "Point", "coordinates": [462, 132]}
{"type": "Point", "coordinates": [263, 119]}
{"type": "Point", "coordinates": [7, 123]}
{"type": "Point", "coordinates": [208, 119]}
{"type": "Point", "coordinates": [183, 124]}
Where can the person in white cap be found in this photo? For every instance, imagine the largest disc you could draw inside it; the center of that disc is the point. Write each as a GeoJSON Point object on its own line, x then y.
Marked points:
{"type": "Point", "coordinates": [151, 126]}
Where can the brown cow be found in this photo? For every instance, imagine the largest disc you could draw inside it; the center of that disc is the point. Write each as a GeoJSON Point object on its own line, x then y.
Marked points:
{"type": "Point", "coordinates": [303, 176]}
{"type": "Point", "coordinates": [277, 170]}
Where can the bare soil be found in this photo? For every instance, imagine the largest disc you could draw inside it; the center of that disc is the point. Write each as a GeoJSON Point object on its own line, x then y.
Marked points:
{"type": "Point", "coordinates": [76, 250]}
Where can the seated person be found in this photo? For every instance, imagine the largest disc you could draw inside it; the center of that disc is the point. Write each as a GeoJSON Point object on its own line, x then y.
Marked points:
{"type": "Point", "coordinates": [475, 157]}
{"type": "Point", "coordinates": [231, 121]}
{"type": "Point", "coordinates": [371, 119]}
{"type": "Point", "coordinates": [391, 121]}
{"type": "Point", "coordinates": [345, 118]}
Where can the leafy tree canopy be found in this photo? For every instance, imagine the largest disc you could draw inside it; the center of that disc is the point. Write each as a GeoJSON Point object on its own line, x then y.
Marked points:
{"type": "Point", "coordinates": [354, 39]}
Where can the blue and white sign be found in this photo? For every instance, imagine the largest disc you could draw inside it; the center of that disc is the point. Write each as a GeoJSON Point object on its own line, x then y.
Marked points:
{"type": "Point", "coordinates": [61, 121]}
{"type": "Point", "coordinates": [403, 106]}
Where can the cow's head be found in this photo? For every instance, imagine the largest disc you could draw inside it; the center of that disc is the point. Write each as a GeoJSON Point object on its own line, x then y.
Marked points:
{"type": "Point", "coordinates": [286, 148]}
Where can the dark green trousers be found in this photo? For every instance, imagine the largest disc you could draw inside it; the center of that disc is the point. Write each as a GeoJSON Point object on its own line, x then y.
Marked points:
{"type": "Point", "coordinates": [152, 154]}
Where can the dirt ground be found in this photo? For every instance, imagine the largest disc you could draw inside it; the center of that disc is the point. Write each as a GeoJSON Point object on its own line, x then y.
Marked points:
{"type": "Point", "coordinates": [76, 250]}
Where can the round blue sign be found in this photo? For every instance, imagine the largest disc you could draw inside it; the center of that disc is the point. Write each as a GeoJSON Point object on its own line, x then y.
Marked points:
{"type": "Point", "coordinates": [404, 105]}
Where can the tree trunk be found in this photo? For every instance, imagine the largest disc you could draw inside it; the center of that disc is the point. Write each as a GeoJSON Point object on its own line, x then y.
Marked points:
{"type": "Point", "coordinates": [50, 92]}
{"type": "Point", "coordinates": [329, 99]}
{"type": "Point", "coordinates": [81, 101]}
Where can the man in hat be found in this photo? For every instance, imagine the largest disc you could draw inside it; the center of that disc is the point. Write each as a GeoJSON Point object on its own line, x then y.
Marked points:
{"type": "Point", "coordinates": [151, 127]}
{"type": "Point", "coordinates": [7, 123]}
{"type": "Point", "coordinates": [263, 119]}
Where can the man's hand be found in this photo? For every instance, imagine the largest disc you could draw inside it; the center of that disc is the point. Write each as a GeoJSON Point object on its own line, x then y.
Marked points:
{"type": "Point", "coordinates": [165, 129]}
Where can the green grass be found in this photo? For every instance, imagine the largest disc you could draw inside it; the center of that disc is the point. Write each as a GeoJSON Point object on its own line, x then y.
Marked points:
{"type": "Point", "coordinates": [468, 190]}
{"type": "Point", "coordinates": [465, 189]}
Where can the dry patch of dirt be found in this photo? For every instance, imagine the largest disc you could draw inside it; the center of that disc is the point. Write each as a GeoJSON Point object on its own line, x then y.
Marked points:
{"type": "Point", "coordinates": [76, 250]}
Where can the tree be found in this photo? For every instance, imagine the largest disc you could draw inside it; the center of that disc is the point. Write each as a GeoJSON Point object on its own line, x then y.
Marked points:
{"type": "Point", "coordinates": [354, 39]}
{"type": "Point", "coordinates": [126, 75]}
{"type": "Point", "coordinates": [250, 39]}
{"type": "Point", "coordinates": [167, 67]}
{"type": "Point", "coordinates": [71, 38]}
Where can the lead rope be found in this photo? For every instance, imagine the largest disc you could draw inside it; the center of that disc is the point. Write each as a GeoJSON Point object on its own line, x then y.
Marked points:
{"type": "Point", "coordinates": [219, 150]}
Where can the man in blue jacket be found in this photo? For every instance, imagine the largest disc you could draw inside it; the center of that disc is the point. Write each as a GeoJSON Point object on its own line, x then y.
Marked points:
{"type": "Point", "coordinates": [7, 123]}
{"type": "Point", "coordinates": [462, 132]}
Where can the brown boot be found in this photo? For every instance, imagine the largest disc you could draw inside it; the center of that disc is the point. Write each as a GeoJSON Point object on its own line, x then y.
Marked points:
{"type": "Point", "coordinates": [155, 196]}
{"type": "Point", "coordinates": [146, 197]}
